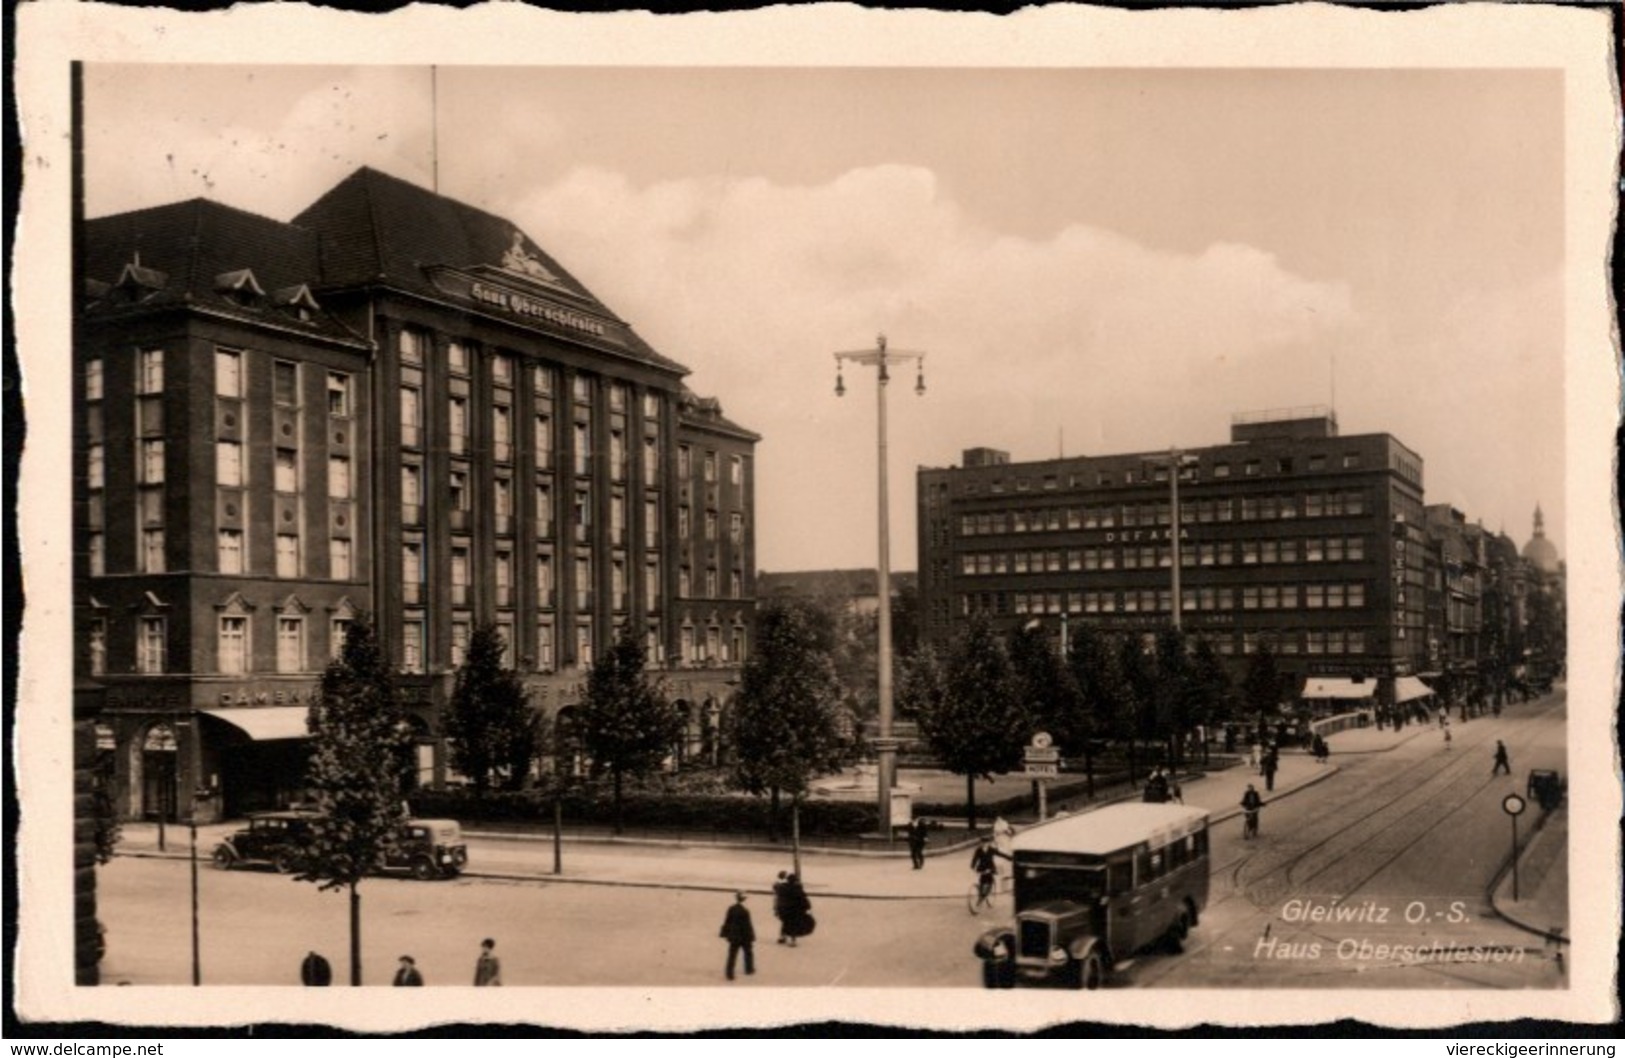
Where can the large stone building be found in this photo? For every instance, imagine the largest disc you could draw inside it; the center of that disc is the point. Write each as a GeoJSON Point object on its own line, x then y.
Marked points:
{"type": "Point", "coordinates": [395, 404]}
{"type": "Point", "coordinates": [1291, 534]}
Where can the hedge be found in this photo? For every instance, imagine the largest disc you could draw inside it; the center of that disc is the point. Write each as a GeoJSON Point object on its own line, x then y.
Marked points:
{"type": "Point", "coordinates": [659, 811]}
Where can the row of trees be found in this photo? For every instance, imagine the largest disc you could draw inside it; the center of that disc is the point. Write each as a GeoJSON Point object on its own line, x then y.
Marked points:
{"type": "Point", "coordinates": [980, 703]}
{"type": "Point", "coordinates": [786, 729]}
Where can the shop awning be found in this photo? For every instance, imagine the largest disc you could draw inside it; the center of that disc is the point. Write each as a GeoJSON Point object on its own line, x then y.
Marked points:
{"type": "Point", "coordinates": [1408, 687]}
{"type": "Point", "coordinates": [267, 722]}
{"type": "Point", "coordinates": [1337, 687]}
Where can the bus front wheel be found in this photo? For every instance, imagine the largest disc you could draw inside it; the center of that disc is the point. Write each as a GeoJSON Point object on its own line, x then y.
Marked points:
{"type": "Point", "coordinates": [1088, 972]}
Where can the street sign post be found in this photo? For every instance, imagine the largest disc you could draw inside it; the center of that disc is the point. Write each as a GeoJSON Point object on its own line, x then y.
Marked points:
{"type": "Point", "coordinates": [1513, 806]}
{"type": "Point", "coordinates": [1042, 761]}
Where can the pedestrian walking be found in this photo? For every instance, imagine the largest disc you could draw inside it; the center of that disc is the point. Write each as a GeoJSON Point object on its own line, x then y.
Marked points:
{"type": "Point", "coordinates": [1502, 762]}
{"type": "Point", "coordinates": [1156, 788]}
{"type": "Point", "coordinates": [916, 841]}
{"type": "Point", "coordinates": [487, 968]}
{"type": "Point", "coordinates": [740, 935]}
{"type": "Point", "coordinates": [1251, 802]}
{"type": "Point", "coordinates": [407, 976]}
{"type": "Point", "coordinates": [315, 971]}
{"type": "Point", "coordinates": [798, 920]}
{"type": "Point", "coordinates": [781, 904]}
{"type": "Point", "coordinates": [1272, 761]}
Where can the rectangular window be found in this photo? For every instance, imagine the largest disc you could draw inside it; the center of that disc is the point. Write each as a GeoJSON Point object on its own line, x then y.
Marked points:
{"type": "Point", "coordinates": [584, 653]}
{"type": "Point", "coordinates": [152, 646]}
{"type": "Point", "coordinates": [98, 554]}
{"type": "Point", "coordinates": [544, 580]}
{"type": "Point", "coordinates": [93, 379]}
{"type": "Point", "coordinates": [285, 384]}
{"type": "Point", "coordinates": [152, 550]}
{"type": "Point", "coordinates": [152, 462]}
{"type": "Point", "coordinates": [337, 633]}
{"type": "Point", "coordinates": [583, 515]}
{"type": "Point", "coordinates": [412, 659]}
{"type": "Point", "coordinates": [228, 463]}
{"type": "Point", "coordinates": [457, 358]}
{"type": "Point", "coordinates": [617, 583]}
{"type": "Point", "coordinates": [502, 501]}
{"type": "Point", "coordinates": [505, 633]}
{"type": "Point", "coordinates": [150, 376]}
{"type": "Point", "coordinates": [230, 551]}
{"type": "Point", "coordinates": [96, 466]}
{"type": "Point", "coordinates": [583, 448]}
{"type": "Point", "coordinates": [459, 576]}
{"type": "Point", "coordinates": [457, 424]}
{"type": "Point", "coordinates": [502, 369]}
{"type": "Point", "coordinates": [581, 388]}
{"type": "Point", "coordinates": [287, 470]}
{"type": "Point", "coordinates": [617, 518]}
{"type": "Point", "coordinates": [544, 442]}
{"type": "Point", "coordinates": [711, 586]}
{"type": "Point", "coordinates": [736, 471]}
{"type": "Point", "coordinates": [233, 645]}
{"type": "Point", "coordinates": [685, 583]}
{"type": "Point", "coordinates": [338, 477]}
{"type": "Point", "coordinates": [228, 373]}
{"type": "Point", "coordinates": [457, 489]}
{"type": "Point", "coordinates": [97, 641]}
{"type": "Point", "coordinates": [710, 466]}
{"type": "Point", "coordinates": [459, 642]}
{"type": "Point", "coordinates": [1355, 550]}
{"type": "Point", "coordinates": [710, 525]}
{"type": "Point", "coordinates": [545, 649]}
{"type": "Point", "coordinates": [411, 491]}
{"type": "Point", "coordinates": [501, 433]}
{"type": "Point", "coordinates": [617, 455]}
{"type": "Point", "coordinates": [544, 511]}
{"type": "Point", "coordinates": [411, 416]}
{"type": "Point", "coordinates": [651, 583]}
{"type": "Point", "coordinates": [412, 571]}
{"type": "Point", "coordinates": [736, 528]}
{"type": "Point", "coordinates": [338, 395]}
{"type": "Point", "coordinates": [651, 523]}
{"type": "Point", "coordinates": [290, 644]}
{"type": "Point", "coordinates": [338, 560]}
{"type": "Point", "coordinates": [504, 577]}
{"type": "Point", "coordinates": [1356, 595]}
{"type": "Point", "coordinates": [583, 583]}
{"type": "Point", "coordinates": [411, 346]}
{"type": "Point", "coordinates": [1355, 643]}
{"type": "Point", "coordinates": [287, 555]}
{"type": "Point", "coordinates": [1314, 596]}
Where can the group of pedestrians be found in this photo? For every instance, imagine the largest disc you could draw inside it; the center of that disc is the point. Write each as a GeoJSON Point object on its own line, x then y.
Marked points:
{"type": "Point", "coordinates": [316, 972]}
{"type": "Point", "coordinates": [791, 907]}
{"type": "Point", "coordinates": [1161, 788]}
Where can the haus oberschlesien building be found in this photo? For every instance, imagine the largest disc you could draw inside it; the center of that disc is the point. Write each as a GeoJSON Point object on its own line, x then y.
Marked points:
{"type": "Point", "coordinates": [396, 404]}
{"type": "Point", "coordinates": [1291, 535]}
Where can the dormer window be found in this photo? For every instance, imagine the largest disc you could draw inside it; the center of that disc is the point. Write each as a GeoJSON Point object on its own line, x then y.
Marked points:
{"type": "Point", "coordinates": [296, 301]}
{"type": "Point", "coordinates": [239, 286]}
{"type": "Point", "coordinates": [138, 282]}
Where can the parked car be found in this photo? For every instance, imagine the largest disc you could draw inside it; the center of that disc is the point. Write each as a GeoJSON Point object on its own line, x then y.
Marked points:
{"type": "Point", "coordinates": [1546, 788]}
{"type": "Point", "coordinates": [428, 848]}
{"type": "Point", "coordinates": [269, 838]}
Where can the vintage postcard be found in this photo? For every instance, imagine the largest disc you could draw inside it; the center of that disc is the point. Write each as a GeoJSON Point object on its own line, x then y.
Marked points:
{"type": "Point", "coordinates": [816, 514]}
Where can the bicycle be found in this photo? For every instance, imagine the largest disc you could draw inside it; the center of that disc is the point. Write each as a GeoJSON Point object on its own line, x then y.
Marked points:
{"type": "Point", "coordinates": [979, 896]}
{"type": "Point", "coordinates": [1249, 825]}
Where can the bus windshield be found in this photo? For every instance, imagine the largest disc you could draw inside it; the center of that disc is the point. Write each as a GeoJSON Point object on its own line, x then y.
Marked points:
{"type": "Point", "coordinates": [1041, 883]}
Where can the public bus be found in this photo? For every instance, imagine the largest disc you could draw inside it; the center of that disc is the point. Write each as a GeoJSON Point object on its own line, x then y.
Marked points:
{"type": "Point", "coordinates": [1093, 889]}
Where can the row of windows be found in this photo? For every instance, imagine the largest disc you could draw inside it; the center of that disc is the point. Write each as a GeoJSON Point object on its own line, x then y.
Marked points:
{"type": "Point", "coordinates": [1154, 600]}
{"type": "Point", "coordinates": [1154, 472]}
{"type": "Point", "coordinates": [1146, 515]}
{"type": "Point", "coordinates": [229, 380]}
{"type": "Point", "coordinates": [414, 572]}
{"type": "Point", "coordinates": [698, 646]}
{"type": "Point", "coordinates": [415, 344]}
{"type": "Point", "coordinates": [1192, 555]}
{"type": "Point", "coordinates": [233, 644]}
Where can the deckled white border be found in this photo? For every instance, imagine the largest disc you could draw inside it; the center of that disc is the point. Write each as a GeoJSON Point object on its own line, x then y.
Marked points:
{"type": "Point", "coordinates": [52, 33]}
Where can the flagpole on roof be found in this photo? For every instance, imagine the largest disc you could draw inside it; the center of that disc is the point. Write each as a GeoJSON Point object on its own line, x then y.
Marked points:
{"type": "Point", "coordinates": [434, 127]}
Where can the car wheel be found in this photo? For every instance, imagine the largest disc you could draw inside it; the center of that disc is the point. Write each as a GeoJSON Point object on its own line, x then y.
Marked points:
{"type": "Point", "coordinates": [424, 869]}
{"type": "Point", "coordinates": [223, 858]}
{"type": "Point", "coordinates": [284, 863]}
{"type": "Point", "coordinates": [998, 973]}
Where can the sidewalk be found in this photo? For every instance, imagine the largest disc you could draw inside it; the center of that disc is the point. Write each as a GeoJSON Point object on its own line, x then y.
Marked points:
{"type": "Point", "coordinates": [1542, 904]}
{"type": "Point", "coordinates": [679, 865]}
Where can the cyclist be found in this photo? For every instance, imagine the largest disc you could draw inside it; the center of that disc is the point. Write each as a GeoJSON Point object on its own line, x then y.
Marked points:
{"type": "Point", "coordinates": [1250, 804]}
{"type": "Point", "coordinates": [985, 862]}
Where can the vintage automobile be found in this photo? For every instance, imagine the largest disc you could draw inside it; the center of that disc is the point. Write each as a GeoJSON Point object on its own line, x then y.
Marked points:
{"type": "Point", "coordinates": [269, 838]}
{"type": "Point", "coordinates": [1545, 788]}
{"type": "Point", "coordinates": [427, 848]}
{"type": "Point", "coordinates": [1092, 889]}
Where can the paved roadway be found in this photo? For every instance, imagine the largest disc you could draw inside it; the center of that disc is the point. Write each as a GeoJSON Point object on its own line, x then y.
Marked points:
{"type": "Point", "coordinates": [1370, 831]}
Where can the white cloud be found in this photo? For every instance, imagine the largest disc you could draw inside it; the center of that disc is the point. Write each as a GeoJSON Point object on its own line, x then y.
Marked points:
{"type": "Point", "coordinates": [755, 284]}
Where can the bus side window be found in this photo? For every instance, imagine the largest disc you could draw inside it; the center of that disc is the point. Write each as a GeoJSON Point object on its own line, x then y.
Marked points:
{"type": "Point", "coordinates": [1119, 877]}
{"type": "Point", "coordinates": [1200, 839]}
{"type": "Point", "coordinates": [1178, 853]}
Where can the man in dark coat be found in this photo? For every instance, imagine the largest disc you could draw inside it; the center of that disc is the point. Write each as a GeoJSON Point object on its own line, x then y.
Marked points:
{"type": "Point", "coordinates": [740, 935]}
{"type": "Point", "coordinates": [798, 920]}
{"type": "Point", "coordinates": [916, 842]}
{"type": "Point", "coordinates": [487, 968]}
{"type": "Point", "coordinates": [1502, 762]}
{"type": "Point", "coordinates": [315, 972]}
{"type": "Point", "coordinates": [407, 976]}
{"type": "Point", "coordinates": [1250, 804]}
{"type": "Point", "coordinates": [1272, 761]}
{"type": "Point", "coordinates": [781, 904]}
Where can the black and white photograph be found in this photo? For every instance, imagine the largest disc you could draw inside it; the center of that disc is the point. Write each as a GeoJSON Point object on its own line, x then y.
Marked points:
{"type": "Point", "coordinates": [818, 514]}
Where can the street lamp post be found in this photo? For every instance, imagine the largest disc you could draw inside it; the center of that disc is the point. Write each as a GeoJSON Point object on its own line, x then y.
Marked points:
{"type": "Point", "coordinates": [885, 744]}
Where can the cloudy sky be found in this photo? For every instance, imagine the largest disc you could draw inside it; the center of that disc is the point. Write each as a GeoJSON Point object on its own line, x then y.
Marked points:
{"type": "Point", "coordinates": [1094, 260]}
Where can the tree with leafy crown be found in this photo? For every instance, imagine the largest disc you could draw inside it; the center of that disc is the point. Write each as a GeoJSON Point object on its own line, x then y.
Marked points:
{"type": "Point", "coordinates": [627, 726]}
{"type": "Point", "coordinates": [786, 727]}
{"type": "Point", "coordinates": [977, 725]}
{"type": "Point", "coordinates": [492, 732]}
{"type": "Point", "coordinates": [360, 756]}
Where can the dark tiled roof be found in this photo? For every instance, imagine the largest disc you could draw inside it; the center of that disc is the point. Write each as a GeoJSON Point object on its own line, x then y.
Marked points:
{"type": "Point", "coordinates": [185, 253]}
{"type": "Point", "coordinates": [705, 413]}
{"type": "Point", "coordinates": [374, 227]}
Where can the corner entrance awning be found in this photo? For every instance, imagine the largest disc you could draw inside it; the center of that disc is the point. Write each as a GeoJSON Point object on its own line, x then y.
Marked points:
{"type": "Point", "coordinates": [267, 723]}
{"type": "Point", "coordinates": [1408, 687]}
{"type": "Point", "coordinates": [1337, 687]}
